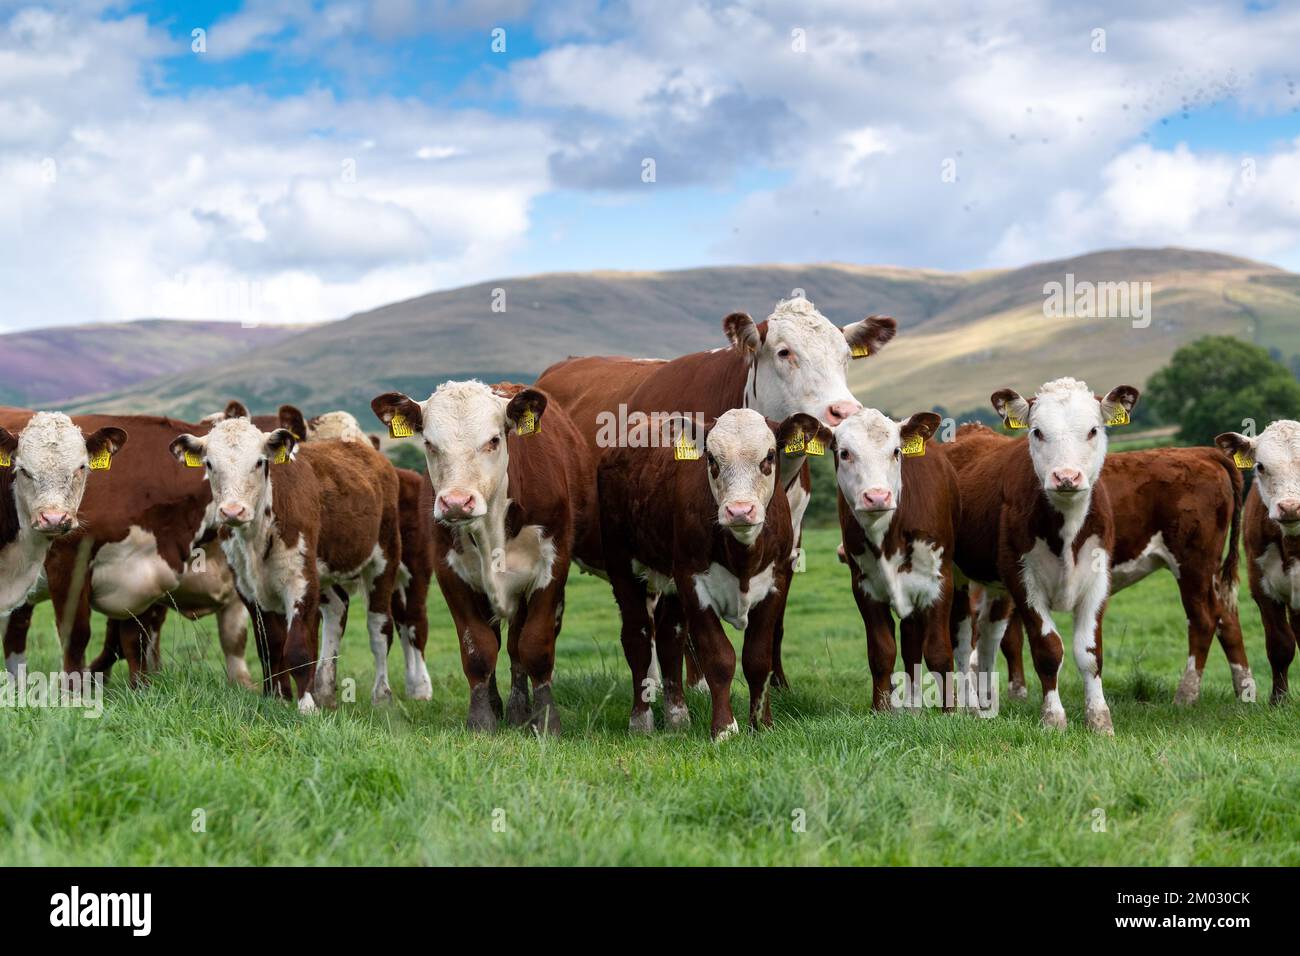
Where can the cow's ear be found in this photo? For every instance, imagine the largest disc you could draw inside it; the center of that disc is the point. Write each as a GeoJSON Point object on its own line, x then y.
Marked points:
{"type": "Point", "coordinates": [374, 440]}
{"type": "Point", "coordinates": [524, 411]}
{"type": "Point", "coordinates": [281, 446]}
{"type": "Point", "coordinates": [742, 333]}
{"type": "Point", "coordinates": [8, 445]}
{"type": "Point", "coordinates": [801, 435]}
{"type": "Point", "coordinates": [188, 449]}
{"type": "Point", "coordinates": [1117, 406]}
{"type": "Point", "coordinates": [686, 435]}
{"type": "Point", "coordinates": [1011, 407]}
{"type": "Point", "coordinates": [407, 412]}
{"type": "Point", "coordinates": [917, 430]}
{"type": "Point", "coordinates": [236, 409]}
{"type": "Point", "coordinates": [1238, 447]}
{"type": "Point", "coordinates": [870, 335]}
{"type": "Point", "coordinates": [103, 445]}
{"type": "Point", "coordinates": [292, 419]}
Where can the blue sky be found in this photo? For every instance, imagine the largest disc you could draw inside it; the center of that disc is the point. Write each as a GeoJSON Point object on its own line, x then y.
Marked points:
{"type": "Point", "coordinates": [317, 159]}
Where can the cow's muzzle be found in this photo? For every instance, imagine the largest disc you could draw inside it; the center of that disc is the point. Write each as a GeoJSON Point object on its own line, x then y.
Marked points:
{"type": "Point", "coordinates": [53, 522]}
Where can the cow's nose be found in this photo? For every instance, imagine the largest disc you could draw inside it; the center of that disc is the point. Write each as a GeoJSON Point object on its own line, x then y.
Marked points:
{"type": "Point", "coordinates": [836, 412]}
{"type": "Point", "coordinates": [1288, 509]}
{"type": "Point", "coordinates": [1067, 479]}
{"type": "Point", "coordinates": [742, 512]}
{"type": "Point", "coordinates": [57, 521]}
{"type": "Point", "coordinates": [877, 499]}
{"type": "Point", "coordinates": [232, 512]}
{"type": "Point", "coordinates": [456, 504]}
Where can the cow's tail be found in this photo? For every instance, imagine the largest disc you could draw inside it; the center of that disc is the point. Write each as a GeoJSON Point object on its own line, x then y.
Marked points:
{"type": "Point", "coordinates": [1229, 574]}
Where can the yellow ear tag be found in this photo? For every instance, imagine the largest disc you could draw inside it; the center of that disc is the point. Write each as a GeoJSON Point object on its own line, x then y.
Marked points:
{"type": "Point", "coordinates": [399, 427]}
{"type": "Point", "coordinates": [860, 351]}
{"type": "Point", "coordinates": [684, 449]}
{"type": "Point", "coordinates": [102, 461]}
{"type": "Point", "coordinates": [796, 445]}
{"type": "Point", "coordinates": [281, 456]}
{"type": "Point", "coordinates": [1120, 417]}
{"type": "Point", "coordinates": [1243, 460]}
{"type": "Point", "coordinates": [814, 447]}
{"type": "Point", "coordinates": [527, 423]}
{"type": "Point", "coordinates": [914, 447]}
{"type": "Point", "coordinates": [5, 460]}
{"type": "Point", "coordinates": [192, 460]}
{"type": "Point", "coordinates": [1015, 423]}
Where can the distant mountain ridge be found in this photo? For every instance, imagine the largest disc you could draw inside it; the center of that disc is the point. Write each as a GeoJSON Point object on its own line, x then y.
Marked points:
{"type": "Point", "coordinates": [961, 334]}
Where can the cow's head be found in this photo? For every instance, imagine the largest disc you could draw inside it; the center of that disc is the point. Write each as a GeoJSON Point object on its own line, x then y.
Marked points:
{"type": "Point", "coordinates": [799, 361]}
{"type": "Point", "coordinates": [335, 426]}
{"type": "Point", "coordinates": [50, 461]}
{"type": "Point", "coordinates": [1275, 453]}
{"type": "Point", "coordinates": [1067, 431]}
{"type": "Point", "coordinates": [237, 457]}
{"type": "Point", "coordinates": [743, 453]}
{"type": "Point", "coordinates": [869, 450]}
{"type": "Point", "coordinates": [464, 427]}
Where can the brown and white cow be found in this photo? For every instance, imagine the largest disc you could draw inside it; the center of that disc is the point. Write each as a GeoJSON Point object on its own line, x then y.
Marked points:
{"type": "Point", "coordinates": [699, 516]}
{"type": "Point", "coordinates": [1175, 508]}
{"type": "Point", "coordinates": [299, 523]}
{"type": "Point", "coordinates": [44, 470]}
{"type": "Point", "coordinates": [899, 509]}
{"type": "Point", "coordinates": [415, 518]}
{"type": "Point", "coordinates": [1037, 524]}
{"type": "Point", "coordinates": [1272, 534]}
{"type": "Point", "coordinates": [796, 361]}
{"type": "Point", "coordinates": [513, 490]}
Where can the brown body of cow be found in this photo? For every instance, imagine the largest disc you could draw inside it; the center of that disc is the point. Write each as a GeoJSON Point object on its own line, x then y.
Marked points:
{"type": "Point", "coordinates": [1174, 508]}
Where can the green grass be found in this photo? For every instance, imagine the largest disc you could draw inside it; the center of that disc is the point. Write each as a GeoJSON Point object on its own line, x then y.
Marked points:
{"type": "Point", "coordinates": [1215, 784]}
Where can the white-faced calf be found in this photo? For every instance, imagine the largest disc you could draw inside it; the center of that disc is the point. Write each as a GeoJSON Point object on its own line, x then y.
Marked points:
{"type": "Point", "coordinates": [43, 474]}
{"type": "Point", "coordinates": [1037, 524]}
{"type": "Point", "coordinates": [698, 517]}
{"type": "Point", "coordinates": [1272, 534]}
{"type": "Point", "coordinates": [512, 486]}
{"type": "Point", "coordinates": [899, 508]}
{"type": "Point", "coordinates": [301, 525]}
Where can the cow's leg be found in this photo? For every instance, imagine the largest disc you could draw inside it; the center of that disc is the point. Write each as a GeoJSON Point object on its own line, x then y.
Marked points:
{"type": "Point", "coordinates": [1200, 604]}
{"type": "Point", "coordinates": [15, 625]}
{"type": "Point", "coordinates": [717, 661]}
{"type": "Point", "coordinates": [937, 647]}
{"type": "Point", "coordinates": [519, 704]}
{"type": "Point", "coordinates": [1088, 615]}
{"type": "Point", "coordinates": [1234, 648]}
{"type": "Point", "coordinates": [1279, 641]}
{"type": "Point", "coordinates": [992, 627]}
{"type": "Point", "coordinates": [1013, 648]}
{"type": "Point", "coordinates": [232, 633]}
{"type": "Point", "coordinates": [1047, 651]}
{"type": "Point", "coordinates": [270, 632]}
{"type": "Point", "coordinates": [634, 634]}
{"type": "Point", "coordinates": [379, 608]}
{"type": "Point", "coordinates": [302, 651]}
{"type": "Point", "coordinates": [479, 645]}
{"type": "Point", "coordinates": [151, 624]}
{"type": "Point", "coordinates": [414, 633]}
{"type": "Point", "coordinates": [537, 650]}
{"type": "Point", "coordinates": [961, 628]}
{"type": "Point", "coordinates": [779, 680]}
{"type": "Point", "coordinates": [756, 658]}
{"type": "Point", "coordinates": [670, 639]}
{"type": "Point", "coordinates": [333, 614]}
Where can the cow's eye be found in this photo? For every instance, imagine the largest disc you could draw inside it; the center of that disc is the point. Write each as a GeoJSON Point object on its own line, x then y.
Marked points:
{"type": "Point", "coordinates": [783, 353]}
{"type": "Point", "coordinates": [24, 472]}
{"type": "Point", "coordinates": [1259, 469]}
{"type": "Point", "coordinates": [898, 453]}
{"type": "Point", "coordinates": [493, 444]}
{"type": "Point", "coordinates": [1037, 434]}
{"type": "Point", "coordinates": [1092, 434]}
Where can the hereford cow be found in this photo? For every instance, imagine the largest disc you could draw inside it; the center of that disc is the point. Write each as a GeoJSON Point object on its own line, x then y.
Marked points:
{"type": "Point", "coordinates": [699, 517]}
{"type": "Point", "coordinates": [1175, 508]}
{"type": "Point", "coordinates": [300, 525]}
{"type": "Point", "coordinates": [513, 492]}
{"type": "Point", "coordinates": [1037, 523]}
{"type": "Point", "coordinates": [794, 362]}
{"type": "Point", "coordinates": [1272, 533]}
{"type": "Point", "coordinates": [43, 475]}
{"type": "Point", "coordinates": [415, 517]}
{"type": "Point", "coordinates": [899, 509]}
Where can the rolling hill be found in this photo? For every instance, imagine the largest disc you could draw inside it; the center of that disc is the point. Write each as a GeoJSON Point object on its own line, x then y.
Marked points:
{"type": "Point", "coordinates": [961, 334]}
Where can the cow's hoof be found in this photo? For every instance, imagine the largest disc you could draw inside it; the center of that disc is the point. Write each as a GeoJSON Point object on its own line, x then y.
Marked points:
{"type": "Point", "coordinates": [1016, 690]}
{"type": "Point", "coordinates": [420, 689]}
{"type": "Point", "coordinates": [1189, 688]}
{"type": "Point", "coordinates": [642, 722]}
{"type": "Point", "coordinates": [1243, 682]}
{"type": "Point", "coordinates": [676, 716]}
{"type": "Point", "coordinates": [1098, 721]}
{"type": "Point", "coordinates": [1053, 719]}
{"type": "Point", "coordinates": [325, 699]}
{"type": "Point", "coordinates": [518, 708]}
{"type": "Point", "coordinates": [731, 730]}
{"type": "Point", "coordinates": [482, 717]}
{"type": "Point", "coordinates": [381, 696]}
{"type": "Point", "coordinates": [306, 705]}
{"type": "Point", "coordinates": [546, 716]}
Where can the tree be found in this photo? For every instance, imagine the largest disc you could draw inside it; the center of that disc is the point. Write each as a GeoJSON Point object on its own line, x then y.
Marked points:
{"type": "Point", "coordinates": [1218, 384]}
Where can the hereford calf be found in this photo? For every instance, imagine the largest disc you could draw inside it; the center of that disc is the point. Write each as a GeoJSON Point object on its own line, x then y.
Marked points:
{"type": "Point", "coordinates": [1037, 524]}
{"type": "Point", "coordinates": [1272, 533]}
{"type": "Point", "coordinates": [300, 524]}
{"type": "Point", "coordinates": [698, 517]}
{"type": "Point", "coordinates": [513, 487]}
{"type": "Point", "coordinates": [899, 510]}
{"type": "Point", "coordinates": [43, 473]}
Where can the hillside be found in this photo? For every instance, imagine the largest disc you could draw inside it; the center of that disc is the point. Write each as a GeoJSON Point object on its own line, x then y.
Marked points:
{"type": "Point", "coordinates": [962, 334]}
{"type": "Point", "coordinates": [47, 367]}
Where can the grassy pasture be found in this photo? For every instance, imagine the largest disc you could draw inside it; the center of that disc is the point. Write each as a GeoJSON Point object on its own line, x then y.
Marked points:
{"type": "Point", "coordinates": [405, 784]}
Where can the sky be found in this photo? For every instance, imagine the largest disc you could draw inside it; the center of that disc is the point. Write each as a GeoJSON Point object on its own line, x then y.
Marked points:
{"type": "Point", "coordinates": [290, 161]}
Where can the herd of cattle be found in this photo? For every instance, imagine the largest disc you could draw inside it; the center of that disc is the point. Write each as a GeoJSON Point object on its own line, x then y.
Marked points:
{"type": "Point", "coordinates": [692, 512]}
